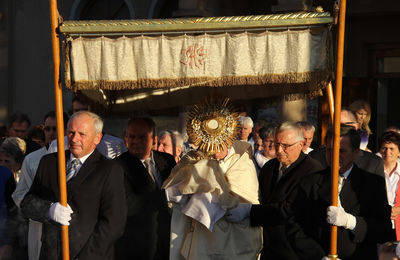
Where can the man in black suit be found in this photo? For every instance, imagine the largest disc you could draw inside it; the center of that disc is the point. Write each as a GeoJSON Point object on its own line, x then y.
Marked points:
{"type": "Point", "coordinates": [147, 230]}
{"type": "Point", "coordinates": [96, 211]}
{"type": "Point", "coordinates": [363, 214]}
{"type": "Point", "coordinates": [365, 160]}
{"type": "Point", "coordinates": [279, 179]}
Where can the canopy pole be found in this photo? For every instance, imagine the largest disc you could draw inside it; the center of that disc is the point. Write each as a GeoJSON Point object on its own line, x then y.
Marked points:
{"type": "Point", "coordinates": [329, 91]}
{"type": "Point", "coordinates": [60, 122]}
{"type": "Point", "coordinates": [336, 133]}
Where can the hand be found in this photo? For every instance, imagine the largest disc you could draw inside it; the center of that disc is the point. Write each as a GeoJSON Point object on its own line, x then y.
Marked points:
{"type": "Point", "coordinates": [338, 217]}
{"type": "Point", "coordinates": [60, 214]}
{"type": "Point", "coordinates": [395, 212]}
{"type": "Point", "coordinates": [239, 213]}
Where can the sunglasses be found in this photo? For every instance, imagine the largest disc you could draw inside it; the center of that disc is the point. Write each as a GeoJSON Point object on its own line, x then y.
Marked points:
{"type": "Point", "coordinates": [48, 128]}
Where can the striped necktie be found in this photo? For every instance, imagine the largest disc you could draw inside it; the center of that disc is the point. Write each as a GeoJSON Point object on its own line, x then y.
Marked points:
{"type": "Point", "coordinates": [72, 169]}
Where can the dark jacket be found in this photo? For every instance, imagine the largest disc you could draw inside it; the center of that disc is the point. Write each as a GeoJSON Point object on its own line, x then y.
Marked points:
{"type": "Point", "coordinates": [363, 195]}
{"type": "Point", "coordinates": [147, 231]}
{"type": "Point", "coordinates": [97, 197]}
{"type": "Point", "coordinates": [276, 204]}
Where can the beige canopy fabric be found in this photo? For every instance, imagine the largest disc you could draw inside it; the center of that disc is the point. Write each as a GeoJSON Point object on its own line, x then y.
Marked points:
{"type": "Point", "coordinates": [205, 60]}
{"type": "Point", "coordinates": [128, 72]}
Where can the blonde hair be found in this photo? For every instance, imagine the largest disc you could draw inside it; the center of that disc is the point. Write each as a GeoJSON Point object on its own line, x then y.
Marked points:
{"type": "Point", "coordinates": [361, 104]}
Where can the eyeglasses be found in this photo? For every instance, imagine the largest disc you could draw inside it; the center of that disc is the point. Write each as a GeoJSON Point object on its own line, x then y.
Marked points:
{"type": "Point", "coordinates": [48, 128]}
{"type": "Point", "coordinates": [284, 146]}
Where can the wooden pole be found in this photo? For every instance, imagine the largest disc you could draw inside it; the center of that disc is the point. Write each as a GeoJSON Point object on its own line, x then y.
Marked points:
{"type": "Point", "coordinates": [60, 122]}
{"type": "Point", "coordinates": [329, 91]}
{"type": "Point", "coordinates": [336, 133]}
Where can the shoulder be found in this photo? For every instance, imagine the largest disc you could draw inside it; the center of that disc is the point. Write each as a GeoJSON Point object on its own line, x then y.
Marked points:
{"type": "Point", "coordinates": [163, 156]}
{"type": "Point", "coordinates": [311, 162]}
{"type": "Point", "coordinates": [317, 178]}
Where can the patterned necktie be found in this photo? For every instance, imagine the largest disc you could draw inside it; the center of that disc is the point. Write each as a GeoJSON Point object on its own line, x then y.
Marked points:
{"type": "Point", "coordinates": [148, 168]}
{"type": "Point", "coordinates": [72, 169]}
{"type": "Point", "coordinates": [153, 174]}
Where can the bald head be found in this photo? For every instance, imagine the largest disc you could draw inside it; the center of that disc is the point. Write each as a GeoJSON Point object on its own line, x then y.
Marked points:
{"type": "Point", "coordinates": [348, 118]}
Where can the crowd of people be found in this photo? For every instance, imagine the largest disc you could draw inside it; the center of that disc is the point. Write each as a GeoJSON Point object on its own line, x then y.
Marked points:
{"type": "Point", "coordinates": [265, 193]}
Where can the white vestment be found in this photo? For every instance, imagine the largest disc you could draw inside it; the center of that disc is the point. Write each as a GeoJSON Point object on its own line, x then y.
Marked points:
{"type": "Point", "coordinates": [201, 190]}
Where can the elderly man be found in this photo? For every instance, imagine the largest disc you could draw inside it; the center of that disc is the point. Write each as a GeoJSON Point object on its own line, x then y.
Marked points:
{"type": "Point", "coordinates": [365, 160]}
{"type": "Point", "coordinates": [279, 180]}
{"type": "Point", "coordinates": [147, 230]}
{"type": "Point", "coordinates": [363, 214]}
{"type": "Point", "coordinates": [96, 210]}
{"type": "Point", "coordinates": [308, 134]}
{"type": "Point", "coordinates": [170, 142]}
{"type": "Point", "coordinates": [245, 126]}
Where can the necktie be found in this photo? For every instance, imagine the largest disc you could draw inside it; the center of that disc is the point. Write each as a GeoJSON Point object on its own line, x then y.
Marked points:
{"type": "Point", "coordinates": [281, 172]}
{"type": "Point", "coordinates": [341, 180]}
{"type": "Point", "coordinates": [72, 169]}
{"type": "Point", "coordinates": [148, 168]}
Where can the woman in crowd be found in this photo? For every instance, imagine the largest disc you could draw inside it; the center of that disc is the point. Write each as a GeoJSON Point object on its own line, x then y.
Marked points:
{"type": "Point", "coordinates": [390, 151]}
{"type": "Point", "coordinates": [267, 134]}
{"type": "Point", "coordinates": [362, 111]}
{"type": "Point", "coordinates": [14, 241]}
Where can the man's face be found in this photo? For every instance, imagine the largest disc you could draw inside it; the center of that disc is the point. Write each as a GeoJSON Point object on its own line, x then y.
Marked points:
{"type": "Point", "coordinates": [165, 145]}
{"type": "Point", "coordinates": [82, 138]}
{"type": "Point", "coordinates": [347, 119]}
{"type": "Point", "coordinates": [50, 129]}
{"type": "Point", "coordinates": [308, 137]}
{"type": "Point", "coordinates": [9, 162]}
{"type": "Point", "coordinates": [287, 147]}
{"type": "Point", "coordinates": [390, 152]}
{"type": "Point", "coordinates": [268, 146]}
{"type": "Point", "coordinates": [244, 133]}
{"type": "Point", "coordinates": [18, 129]}
{"type": "Point", "coordinates": [139, 140]}
{"type": "Point", "coordinates": [346, 155]}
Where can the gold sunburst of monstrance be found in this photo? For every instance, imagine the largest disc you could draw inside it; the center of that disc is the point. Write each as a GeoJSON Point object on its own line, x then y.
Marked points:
{"type": "Point", "coordinates": [212, 126]}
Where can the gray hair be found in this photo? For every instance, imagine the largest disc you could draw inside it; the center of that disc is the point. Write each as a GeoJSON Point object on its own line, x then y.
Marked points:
{"type": "Point", "coordinates": [245, 120]}
{"type": "Point", "coordinates": [176, 137]}
{"type": "Point", "coordinates": [14, 147]}
{"type": "Point", "coordinates": [266, 132]}
{"type": "Point", "coordinates": [306, 126]}
{"type": "Point", "coordinates": [97, 121]}
{"type": "Point", "coordinates": [293, 127]}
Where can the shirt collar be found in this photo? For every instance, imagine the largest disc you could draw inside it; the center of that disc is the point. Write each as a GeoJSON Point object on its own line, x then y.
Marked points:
{"type": "Point", "coordinates": [151, 158]}
{"type": "Point", "coordinates": [346, 173]}
{"type": "Point", "coordinates": [82, 159]}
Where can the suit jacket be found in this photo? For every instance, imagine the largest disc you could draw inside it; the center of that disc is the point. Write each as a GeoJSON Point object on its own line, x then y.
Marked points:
{"type": "Point", "coordinates": [147, 232]}
{"type": "Point", "coordinates": [365, 160]}
{"type": "Point", "coordinates": [363, 195]}
{"type": "Point", "coordinates": [276, 204]}
{"type": "Point", "coordinates": [96, 195]}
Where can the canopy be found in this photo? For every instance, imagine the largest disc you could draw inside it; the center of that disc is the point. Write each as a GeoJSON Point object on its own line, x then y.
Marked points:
{"type": "Point", "coordinates": [156, 64]}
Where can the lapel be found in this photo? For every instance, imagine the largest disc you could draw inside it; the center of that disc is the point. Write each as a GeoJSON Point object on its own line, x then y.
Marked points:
{"type": "Point", "coordinates": [348, 194]}
{"type": "Point", "coordinates": [289, 171]}
{"type": "Point", "coordinates": [161, 165]}
{"type": "Point", "coordinates": [137, 174]}
{"type": "Point", "coordinates": [324, 187]}
{"type": "Point", "coordinates": [87, 167]}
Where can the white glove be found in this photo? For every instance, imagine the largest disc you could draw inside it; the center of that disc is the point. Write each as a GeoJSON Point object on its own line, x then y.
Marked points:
{"type": "Point", "coordinates": [338, 217]}
{"type": "Point", "coordinates": [239, 213]}
{"type": "Point", "coordinates": [327, 258]}
{"type": "Point", "coordinates": [60, 214]}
